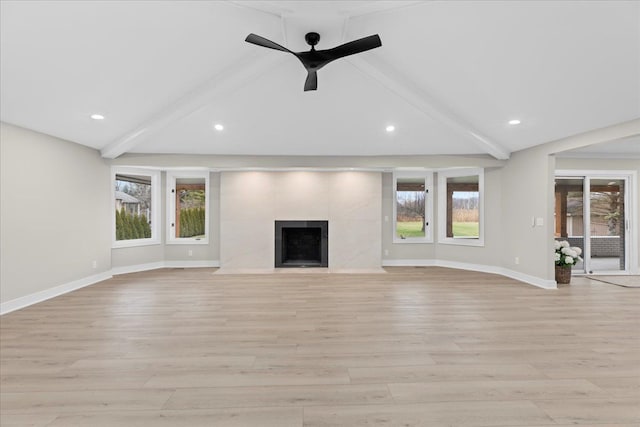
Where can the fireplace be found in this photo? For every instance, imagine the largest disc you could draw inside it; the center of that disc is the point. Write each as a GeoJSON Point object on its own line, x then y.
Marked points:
{"type": "Point", "coordinates": [302, 244]}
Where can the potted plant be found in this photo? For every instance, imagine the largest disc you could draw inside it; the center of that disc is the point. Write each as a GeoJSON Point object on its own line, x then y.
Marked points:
{"type": "Point", "coordinates": [565, 258]}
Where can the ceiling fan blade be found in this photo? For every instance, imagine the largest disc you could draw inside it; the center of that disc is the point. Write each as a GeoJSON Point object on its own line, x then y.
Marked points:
{"type": "Point", "coordinates": [261, 41]}
{"type": "Point", "coordinates": [312, 81]}
{"type": "Point", "coordinates": [356, 46]}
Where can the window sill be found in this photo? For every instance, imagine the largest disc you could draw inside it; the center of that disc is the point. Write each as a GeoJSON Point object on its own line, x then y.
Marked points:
{"type": "Point", "coordinates": [411, 241]}
{"type": "Point", "coordinates": [187, 241]}
{"type": "Point", "coordinates": [462, 242]}
{"type": "Point", "coordinates": [134, 243]}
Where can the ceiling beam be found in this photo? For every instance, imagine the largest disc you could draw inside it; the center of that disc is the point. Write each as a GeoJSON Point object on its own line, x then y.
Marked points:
{"type": "Point", "coordinates": [263, 6]}
{"type": "Point", "coordinates": [404, 88]}
{"type": "Point", "coordinates": [375, 7]}
{"type": "Point", "coordinates": [611, 133]}
{"type": "Point", "coordinates": [245, 70]}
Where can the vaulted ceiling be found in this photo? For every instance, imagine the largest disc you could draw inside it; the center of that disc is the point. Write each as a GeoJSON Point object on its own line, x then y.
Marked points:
{"type": "Point", "coordinates": [449, 76]}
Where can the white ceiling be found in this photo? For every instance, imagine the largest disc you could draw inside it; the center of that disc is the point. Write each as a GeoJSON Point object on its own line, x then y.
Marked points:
{"type": "Point", "coordinates": [449, 75]}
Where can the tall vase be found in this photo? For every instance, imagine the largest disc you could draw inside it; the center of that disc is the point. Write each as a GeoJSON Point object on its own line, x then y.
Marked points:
{"type": "Point", "coordinates": [563, 274]}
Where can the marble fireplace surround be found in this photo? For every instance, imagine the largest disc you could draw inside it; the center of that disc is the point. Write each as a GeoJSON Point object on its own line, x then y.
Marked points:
{"type": "Point", "coordinates": [251, 202]}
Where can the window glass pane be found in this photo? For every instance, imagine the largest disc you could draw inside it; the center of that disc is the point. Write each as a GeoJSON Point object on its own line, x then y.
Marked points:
{"type": "Point", "coordinates": [190, 207]}
{"type": "Point", "coordinates": [569, 213]}
{"type": "Point", "coordinates": [410, 207]}
{"type": "Point", "coordinates": [607, 224]}
{"type": "Point", "coordinates": [463, 206]}
{"type": "Point", "coordinates": [133, 207]}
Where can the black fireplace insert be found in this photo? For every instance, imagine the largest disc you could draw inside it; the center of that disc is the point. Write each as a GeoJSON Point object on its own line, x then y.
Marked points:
{"type": "Point", "coordinates": [302, 244]}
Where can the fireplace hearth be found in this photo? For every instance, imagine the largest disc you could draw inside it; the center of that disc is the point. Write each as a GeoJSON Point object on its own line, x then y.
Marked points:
{"type": "Point", "coordinates": [300, 244]}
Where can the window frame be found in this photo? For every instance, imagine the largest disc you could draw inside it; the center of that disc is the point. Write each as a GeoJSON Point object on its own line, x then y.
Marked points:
{"type": "Point", "coordinates": [442, 207]}
{"type": "Point", "coordinates": [428, 205]}
{"type": "Point", "coordinates": [172, 176]}
{"type": "Point", "coordinates": [156, 207]}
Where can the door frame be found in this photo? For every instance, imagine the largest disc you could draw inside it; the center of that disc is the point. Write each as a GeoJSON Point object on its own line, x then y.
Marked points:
{"type": "Point", "coordinates": [630, 211]}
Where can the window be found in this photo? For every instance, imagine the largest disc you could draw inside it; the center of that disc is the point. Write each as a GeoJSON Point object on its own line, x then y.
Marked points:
{"type": "Point", "coordinates": [136, 207]}
{"type": "Point", "coordinates": [188, 216]}
{"type": "Point", "coordinates": [460, 207]}
{"type": "Point", "coordinates": [413, 207]}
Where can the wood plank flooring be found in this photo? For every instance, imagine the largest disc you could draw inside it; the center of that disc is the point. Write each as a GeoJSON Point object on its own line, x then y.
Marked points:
{"type": "Point", "coordinates": [412, 347]}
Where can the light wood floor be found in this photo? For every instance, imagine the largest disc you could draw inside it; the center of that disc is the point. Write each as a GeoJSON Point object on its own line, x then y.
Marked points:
{"type": "Point", "coordinates": [414, 347]}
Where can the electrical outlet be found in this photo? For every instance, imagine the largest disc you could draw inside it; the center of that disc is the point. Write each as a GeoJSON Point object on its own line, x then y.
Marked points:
{"type": "Point", "coordinates": [386, 252]}
{"type": "Point", "coordinates": [190, 252]}
{"type": "Point", "coordinates": [517, 260]}
{"type": "Point", "coordinates": [94, 264]}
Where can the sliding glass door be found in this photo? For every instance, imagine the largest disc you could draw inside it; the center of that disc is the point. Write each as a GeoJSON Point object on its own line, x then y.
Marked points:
{"type": "Point", "coordinates": [591, 212]}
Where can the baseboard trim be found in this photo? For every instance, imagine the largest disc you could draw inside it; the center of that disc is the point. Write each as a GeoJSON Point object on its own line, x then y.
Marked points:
{"type": "Point", "coordinates": [521, 277]}
{"type": "Point", "coordinates": [137, 268]}
{"type": "Point", "coordinates": [532, 280]}
{"type": "Point", "coordinates": [191, 264]}
{"type": "Point", "coordinates": [164, 264]}
{"type": "Point", "coordinates": [409, 262]}
{"type": "Point", "coordinates": [27, 300]}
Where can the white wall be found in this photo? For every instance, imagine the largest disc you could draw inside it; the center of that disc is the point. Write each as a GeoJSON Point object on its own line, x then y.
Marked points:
{"type": "Point", "coordinates": [251, 202]}
{"type": "Point", "coordinates": [55, 212]}
{"type": "Point", "coordinates": [527, 191]}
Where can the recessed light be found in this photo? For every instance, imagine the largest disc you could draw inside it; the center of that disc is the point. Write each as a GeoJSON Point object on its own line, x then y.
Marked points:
{"type": "Point", "coordinates": [514, 122]}
{"type": "Point", "coordinates": [97, 117]}
{"type": "Point", "coordinates": [218, 127]}
{"type": "Point", "coordinates": [390, 128]}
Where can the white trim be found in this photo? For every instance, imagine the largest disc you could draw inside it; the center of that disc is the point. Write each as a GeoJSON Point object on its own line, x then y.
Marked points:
{"type": "Point", "coordinates": [586, 222]}
{"type": "Point", "coordinates": [135, 243]}
{"type": "Point", "coordinates": [427, 175]}
{"type": "Point", "coordinates": [442, 207]}
{"type": "Point", "coordinates": [632, 218]}
{"type": "Point", "coordinates": [522, 277]}
{"type": "Point", "coordinates": [192, 264]}
{"type": "Point", "coordinates": [300, 169]}
{"type": "Point", "coordinates": [27, 300]}
{"type": "Point", "coordinates": [164, 264]}
{"type": "Point", "coordinates": [531, 280]}
{"type": "Point", "coordinates": [172, 176]}
{"type": "Point", "coordinates": [137, 268]}
{"type": "Point", "coordinates": [156, 205]}
{"type": "Point", "coordinates": [594, 155]}
{"type": "Point", "coordinates": [560, 173]}
{"type": "Point", "coordinates": [409, 262]}
{"type": "Point", "coordinates": [382, 169]}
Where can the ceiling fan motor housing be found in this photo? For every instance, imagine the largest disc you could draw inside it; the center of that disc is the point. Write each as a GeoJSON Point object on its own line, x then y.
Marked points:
{"type": "Point", "coordinates": [312, 38]}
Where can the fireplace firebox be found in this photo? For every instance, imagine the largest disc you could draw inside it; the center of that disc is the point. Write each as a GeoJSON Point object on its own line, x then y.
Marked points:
{"type": "Point", "coordinates": [302, 244]}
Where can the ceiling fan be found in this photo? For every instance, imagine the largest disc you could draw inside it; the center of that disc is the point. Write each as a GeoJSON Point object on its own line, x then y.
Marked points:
{"type": "Point", "coordinates": [316, 59]}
